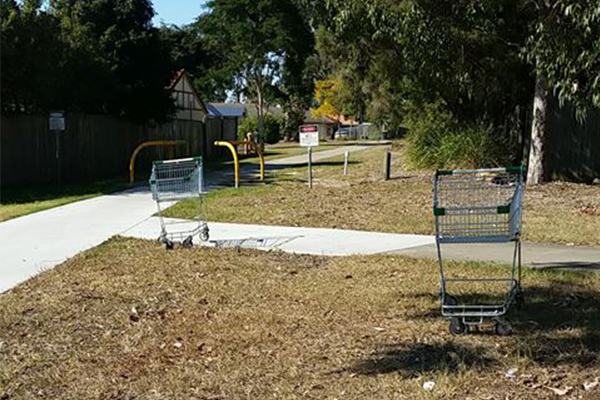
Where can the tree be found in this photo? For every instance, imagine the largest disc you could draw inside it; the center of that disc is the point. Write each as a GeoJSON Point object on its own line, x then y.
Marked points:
{"type": "Point", "coordinates": [258, 41]}
{"type": "Point", "coordinates": [121, 36]}
{"type": "Point", "coordinates": [327, 94]}
{"type": "Point", "coordinates": [32, 55]}
{"type": "Point", "coordinates": [565, 49]}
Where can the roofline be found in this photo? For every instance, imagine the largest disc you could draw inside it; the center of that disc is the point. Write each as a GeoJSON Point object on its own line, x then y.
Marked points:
{"type": "Point", "coordinates": [182, 73]}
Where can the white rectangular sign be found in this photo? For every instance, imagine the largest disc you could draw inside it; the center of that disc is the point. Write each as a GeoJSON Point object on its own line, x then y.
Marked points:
{"type": "Point", "coordinates": [57, 121]}
{"type": "Point", "coordinates": [309, 135]}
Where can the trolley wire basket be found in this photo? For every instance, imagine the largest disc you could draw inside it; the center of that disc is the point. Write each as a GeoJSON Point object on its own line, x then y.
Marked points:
{"type": "Point", "coordinates": [172, 181]}
{"type": "Point", "coordinates": [479, 206]}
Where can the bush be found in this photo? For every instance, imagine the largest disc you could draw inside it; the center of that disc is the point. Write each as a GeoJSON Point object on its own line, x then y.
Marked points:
{"type": "Point", "coordinates": [426, 126]}
{"type": "Point", "coordinates": [272, 127]}
{"type": "Point", "coordinates": [436, 140]}
{"type": "Point", "coordinates": [247, 125]}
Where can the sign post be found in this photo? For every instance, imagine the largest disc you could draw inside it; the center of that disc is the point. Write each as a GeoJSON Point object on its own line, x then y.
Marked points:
{"type": "Point", "coordinates": [309, 137]}
{"type": "Point", "coordinates": [56, 123]}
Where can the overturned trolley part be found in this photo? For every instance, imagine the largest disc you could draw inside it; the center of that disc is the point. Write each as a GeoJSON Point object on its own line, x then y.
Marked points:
{"type": "Point", "coordinates": [479, 206]}
{"type": "Point", "coordinates": [174, 180]}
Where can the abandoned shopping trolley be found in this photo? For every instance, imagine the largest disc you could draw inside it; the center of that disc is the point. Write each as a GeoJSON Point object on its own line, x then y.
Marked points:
{"type": "Point", "coordinates": [174, 180]}
{"type": "Point", "coordinates": [479, 206]}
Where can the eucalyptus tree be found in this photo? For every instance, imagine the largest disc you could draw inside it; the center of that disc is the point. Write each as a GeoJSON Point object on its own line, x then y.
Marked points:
{"type": "Point", "coordinates": [261, 42]}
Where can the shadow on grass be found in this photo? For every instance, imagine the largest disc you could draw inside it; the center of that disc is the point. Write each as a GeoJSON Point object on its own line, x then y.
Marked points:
{"type": "Point", "coordinates": [51, 192]}
{"type": "Point", "coordinates": [411, 359]}
{"type": "Point", "coordinates": [559, 324]}
{"type": "Point", "coordinates": [273, 166]}
{"type": "Point", "coordinates": [571, 266]}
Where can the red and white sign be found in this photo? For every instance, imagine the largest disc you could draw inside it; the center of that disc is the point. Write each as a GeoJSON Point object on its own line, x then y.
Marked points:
{"type": "Point", "coordinates": [309, 128]}
{"type": "Point", "coordinates": [309, 135]}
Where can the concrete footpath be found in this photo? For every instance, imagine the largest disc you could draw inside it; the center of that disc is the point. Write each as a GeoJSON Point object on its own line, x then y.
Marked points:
{"type": "Point", "coordinates": [317, 241]}
{"type": "Point", "coordinates": [536, 255]}
{"type": "Point", "coordinates": [337, 242]}
{"type": "Point", "coordinates": [39, 241]}
{"type": "Point", "coordinates": [36, 242]}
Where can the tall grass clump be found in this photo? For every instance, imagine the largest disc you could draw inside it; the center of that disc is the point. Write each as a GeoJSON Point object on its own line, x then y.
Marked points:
{"type": "Point", "coordinates": [436, 140]}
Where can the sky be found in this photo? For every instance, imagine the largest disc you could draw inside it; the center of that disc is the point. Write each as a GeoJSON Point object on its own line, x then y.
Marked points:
{"type": "Point", "coordinates": [178, 12]}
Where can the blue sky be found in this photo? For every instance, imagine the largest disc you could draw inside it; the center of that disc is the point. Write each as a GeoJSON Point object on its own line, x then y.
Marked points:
{"type": "Point", "coordinates": [178, 12]}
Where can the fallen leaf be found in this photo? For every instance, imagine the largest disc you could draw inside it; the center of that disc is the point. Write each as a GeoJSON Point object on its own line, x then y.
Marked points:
{"type": "Point", "coordinates": [560, 392]}
{"type": "Point", "coordinates": [511, 373]}
{"type": "Point", "coordinates": [590, 385]}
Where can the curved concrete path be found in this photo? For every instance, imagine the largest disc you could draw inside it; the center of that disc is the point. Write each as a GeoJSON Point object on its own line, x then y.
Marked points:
{"type": "Point", "coordinates": [317, 241]}
{"type": "Point", "coordinates": [36, 242]}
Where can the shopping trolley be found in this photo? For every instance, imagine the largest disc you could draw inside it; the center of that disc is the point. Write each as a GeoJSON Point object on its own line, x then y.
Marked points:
{"type": "Point", "coordinates": [174, 180]}
{"type": "Point", "coordinates": [479, 206]}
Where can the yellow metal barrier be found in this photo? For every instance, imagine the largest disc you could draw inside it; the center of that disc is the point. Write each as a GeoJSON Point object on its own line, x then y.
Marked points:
{"type": "Point", "coordinates": [236, 162]}
{"type": "Point", "coordinates": [258, 151]}
{"type": "Point", "coordinates": [231, 146]}
{"type": "Point", "coordinates": [155, 143]}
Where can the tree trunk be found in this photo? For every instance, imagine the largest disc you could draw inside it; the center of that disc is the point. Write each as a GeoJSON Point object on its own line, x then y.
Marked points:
{"type": "Point", "coordinates": [536, 171]}
{"type": "Point", "coordinates": [261, 125]}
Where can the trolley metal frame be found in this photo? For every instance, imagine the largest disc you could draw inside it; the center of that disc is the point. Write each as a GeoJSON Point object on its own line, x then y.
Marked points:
{"type": "Point", "coordinates": [172, 181]}
{"type": "Point", "coordinates": [479, 206]}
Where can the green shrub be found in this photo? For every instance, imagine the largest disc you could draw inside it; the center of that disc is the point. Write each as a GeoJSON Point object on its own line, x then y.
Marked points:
{"type": "Point", "coordinates": [436, 140]}
{"type": "Point", "coordinates": [426, 126]}
{"type": "Point", "coordinates": [247, 125]}
{"type": "Point", "coordinates": [471, 147]}
{"type": "Point", "coordinates": [272, 127]}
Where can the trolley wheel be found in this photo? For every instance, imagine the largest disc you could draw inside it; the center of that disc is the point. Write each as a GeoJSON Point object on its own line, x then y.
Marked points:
{"type": "Point", "coordinates": [450, 300]}
{"type": "Point", "coordinates": [503, 328]}
{"type": "Point", "coordinates": [168, 244]}
{"type": "Point", "coordinates": [188, 243]}
{"type": "Point", "coordinates": [519, 300]}
{"type": "Point", "coordinates": [204, 235]}
{"type": "Point", "coordinates": [457, 327]}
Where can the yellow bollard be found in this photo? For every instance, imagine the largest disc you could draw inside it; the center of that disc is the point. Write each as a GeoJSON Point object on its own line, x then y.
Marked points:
{"type": "Point", "coordinates": [236, 162]}
{"type": "Point", "coordinates": [162, 143]}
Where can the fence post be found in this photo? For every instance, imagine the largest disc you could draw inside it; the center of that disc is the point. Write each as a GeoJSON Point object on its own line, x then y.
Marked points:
{"type": "Point", "coordinates": [387, 163]}
{"type": "Point", "coordinates": [346, 163]}
{"type": "Point", "coordinates": [310, 167]}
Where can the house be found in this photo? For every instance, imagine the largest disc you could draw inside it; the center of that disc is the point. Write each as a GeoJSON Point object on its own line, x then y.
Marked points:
{"type": "Point", "coordinates": [330, 125]}
{"type": "Point", "coordinates": [235, 110]}
{"type": "Point", "coordinates": [189, 105]}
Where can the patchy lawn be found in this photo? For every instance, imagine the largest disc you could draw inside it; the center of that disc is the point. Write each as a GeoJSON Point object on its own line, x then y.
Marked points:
{"type": "Point", "coordinates": [272, 152]}
{"type": "Point", "coordinates": [130, 320]}
{"type": "Point", "coordinates": [22, 201]}
{"type": "Point", "coordinates": [556, 212]}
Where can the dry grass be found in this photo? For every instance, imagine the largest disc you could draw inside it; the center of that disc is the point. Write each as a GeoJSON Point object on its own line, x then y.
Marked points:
{"type": "Point", "coordinates": [129, 320]}
{"type": "Point", "coordinates": [556, 212]}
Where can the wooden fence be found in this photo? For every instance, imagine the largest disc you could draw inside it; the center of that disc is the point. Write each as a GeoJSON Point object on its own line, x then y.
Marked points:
{"type": "Point", "coordinates": [96, 146]}
{"type": "Point", "coordinates": [574, 147]}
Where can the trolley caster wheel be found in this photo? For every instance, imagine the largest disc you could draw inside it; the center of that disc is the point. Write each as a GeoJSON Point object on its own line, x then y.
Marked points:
{"type": "Point", "coordinates": [188, 243]}
{"type": "Point", "coordinates": [503, 329]}
{"type": "Point", "coordinates": [204, 235]}
{"type": "Point", "coordinates": [519, 300]}
{"type": "Point", "coordinates": [168, 244]}
{"type": "Point", "coordinates": [457, 327]}
{"type": "Point", "coordinates": [450, 300]}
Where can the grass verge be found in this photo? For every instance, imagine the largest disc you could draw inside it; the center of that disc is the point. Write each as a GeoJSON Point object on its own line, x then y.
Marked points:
{"type": "Point", "coordinates": [556, 212]}
{"type": "Point", "coordinates": [130, 320]}
{"type": "Point", "coordinates": [22, 201]}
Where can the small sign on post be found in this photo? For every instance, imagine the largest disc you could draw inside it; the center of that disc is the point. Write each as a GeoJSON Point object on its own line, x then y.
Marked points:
{"type": "Point", "coordinates": [57, 121]}
{"type": "Point", "coordinates": [309, 137]}
{"type": "Point", "coordinates": [56, 124]}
